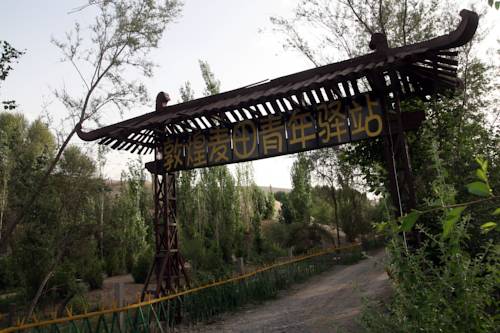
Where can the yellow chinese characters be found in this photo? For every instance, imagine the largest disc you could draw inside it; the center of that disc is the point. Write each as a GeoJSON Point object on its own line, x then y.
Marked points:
{"type": "Point", "coordinates": [173, 150]}
{"type": "Point", "coordinates": [195, 150]}
{"type": "Point", "coordinates": [219, 145]}
{"type": "Point", "coordinates": [272, 135]}
{"type": "Point", "coordinates": [301, 129]}
{"type": "Point", "coordinates": [244, 140]}
{"type": "Point", "coordinates": [332, 123]}
{"type": "Point", "coordinates": [360, 121]}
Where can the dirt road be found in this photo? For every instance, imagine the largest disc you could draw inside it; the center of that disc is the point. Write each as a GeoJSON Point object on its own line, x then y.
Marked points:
{"type": "Point", "coordinates": [329, 302]}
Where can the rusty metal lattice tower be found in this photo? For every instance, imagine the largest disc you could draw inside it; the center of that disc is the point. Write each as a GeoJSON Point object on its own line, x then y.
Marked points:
{"type": "Point", "coordinates": [167, 272]}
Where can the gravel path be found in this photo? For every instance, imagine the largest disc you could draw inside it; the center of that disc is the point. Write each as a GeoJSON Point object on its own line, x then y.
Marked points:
{"type": "Point", "coordinates": [329, 302]}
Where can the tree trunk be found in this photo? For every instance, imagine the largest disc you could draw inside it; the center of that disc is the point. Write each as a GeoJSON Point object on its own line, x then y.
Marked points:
{"type": "Point", "coordinates": [3, 204]}
{"type": "Point", "coordinates": [336, 208]}
{"type": "Point", "coordinates": [63, 304]}
{"type": "Point", "coordinates": [38, 294]}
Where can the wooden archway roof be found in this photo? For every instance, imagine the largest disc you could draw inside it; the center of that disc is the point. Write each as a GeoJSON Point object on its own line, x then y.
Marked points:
{"type": "Point", "coordinates": [414, 70]}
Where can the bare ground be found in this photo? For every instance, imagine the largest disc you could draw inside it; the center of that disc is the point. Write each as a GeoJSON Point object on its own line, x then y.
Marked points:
{"type": "Point", "coordinates": [329, 302]}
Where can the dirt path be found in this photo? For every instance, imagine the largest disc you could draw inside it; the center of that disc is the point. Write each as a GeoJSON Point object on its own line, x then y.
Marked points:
{"type": "Point", "coordinates": [329, 302]}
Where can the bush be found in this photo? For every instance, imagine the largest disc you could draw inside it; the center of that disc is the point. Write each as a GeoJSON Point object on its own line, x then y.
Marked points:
{"type": "Point", "coordinates": [442, 286]}
{"type": "Point", "coordinates": [64, 282]}
{"type": "Point", "coordinates": [93, 275]}
{"type": "Point", "coordinates": [351, 257]}
{"type": "Point", "coordinates": [276, 233]}
{"type": "Point", "coordinates": [114, 264]}
{"type": "Point", "coordinates": [6, 275]}
{"type": "Point", "coordinates": [79, 304]}
{"type": "Point", "coordinates": [372, 242]}
{"type": "Point", "coordinates": [304, 238]}
{"type": "Point", "coordinates": [452, 295]}
{"type": "Point", "coordinates": [141, 268]}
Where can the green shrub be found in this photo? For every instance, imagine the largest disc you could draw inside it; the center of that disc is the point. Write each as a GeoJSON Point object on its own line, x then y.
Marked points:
{"type": "Point", "coordinates": [64, 281]}
{"type": "Point", "coordinates": [276, 233]}
{"type": "Point", "coordinates": [6, 273]}
{"type": "Point", "coordinates": [305, 238]}
{"type": "Point", "coordinates": [372, 242]}
{"type": "Point", "coordinates": [351, 257]}
{"type": "Point", "coordinates": [141, 268]}
{"type": "Point", "coordinates": [114, 264]}
{"type": "Point", "coordinates": [93, 275]}
{"type": "Point", "coordinates": [442, 286]}
{"type": "Point", "coordinates": [79, 304]}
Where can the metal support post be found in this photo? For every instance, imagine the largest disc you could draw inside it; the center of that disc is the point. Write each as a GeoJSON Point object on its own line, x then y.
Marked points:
{"type": "Point", "coordinates": [168, 267]}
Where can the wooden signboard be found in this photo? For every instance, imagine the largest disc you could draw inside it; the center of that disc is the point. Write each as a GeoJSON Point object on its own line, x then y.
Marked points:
{"type": "Point", "coordinates": [324, 125]}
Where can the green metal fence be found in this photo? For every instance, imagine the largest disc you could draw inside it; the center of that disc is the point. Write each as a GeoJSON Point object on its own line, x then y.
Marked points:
{"type": "Point", "coordinates": [197, 304]}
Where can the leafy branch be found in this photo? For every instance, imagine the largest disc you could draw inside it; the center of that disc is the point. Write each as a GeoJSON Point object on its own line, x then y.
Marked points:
{"type": "Point", "coordinates": [480, 188]}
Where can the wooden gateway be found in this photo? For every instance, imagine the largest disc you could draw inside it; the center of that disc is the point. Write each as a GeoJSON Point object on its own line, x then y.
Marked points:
{"type": "Point", "coordinates": [348, 101]}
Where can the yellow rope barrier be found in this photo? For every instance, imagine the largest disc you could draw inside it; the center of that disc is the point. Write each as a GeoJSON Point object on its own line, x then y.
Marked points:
{"type": "Point", "coordinates": [22, 326]}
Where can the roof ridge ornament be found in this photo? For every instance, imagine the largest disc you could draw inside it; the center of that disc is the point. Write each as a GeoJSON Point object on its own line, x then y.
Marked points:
{"type": "Point", "coordinates": [162, 100]}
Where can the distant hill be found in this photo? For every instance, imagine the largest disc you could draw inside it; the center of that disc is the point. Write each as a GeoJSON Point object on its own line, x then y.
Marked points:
{"type": "Point", "coordinates": [115, 186]}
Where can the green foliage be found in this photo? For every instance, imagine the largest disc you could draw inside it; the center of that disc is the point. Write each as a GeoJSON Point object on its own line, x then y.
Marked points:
{"type": "Point", "coordinates": [93, 274]}
{"type": "Point", "coordinates": [211, 83]}
{"type": "Point", "coordinates": [269, 209]}
{"type": "Point", "coordinates": [322, 210]}
{"type": "Point", "coordinates": [492, 3]}
{"type": "Point", "coordinates": [300, 196]}
{"type": "Point", "coordinates": [8, 57]}
{"type": "Point", "coordinates": [220, 215]}
{"type": "Point", "coordinates": [302, 238]}
{"type": "Point", "coordinates": [277, 234]}
{"type": "Point", "coordinates": [279, 196]}
{"type": "Point", "coordinates": [409, 220]}
{"type": "Point", "coordinates": [287, 215]}
{"type": "Point", "coordinates": [450, 220]}
{"type": "Point", "coordinates": [64, 283]}
{"type": "Point", "coordinates": [355, 212]}
{"type": "Point", "coordinates": [49, 198]}
{"type": "Point", "coordinates": [441, 274]}
{"type": "Point", "coordinates": [7, 273]}
{"type": "Point", "coordinates": [126, 224]}
{"type": "Point", "coordinates": [142, 266]}
{"type": "Point", "coordinates": [207, 300]}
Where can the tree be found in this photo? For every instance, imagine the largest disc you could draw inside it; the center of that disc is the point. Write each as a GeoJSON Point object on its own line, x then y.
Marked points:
{"type": "Point", "coordinates": [326, 169]}
{"type": "Point", "coordinates": [126, 228]}
{"type": "Point", "coordinates": [58, 245]}
{"type": "Point", "coordinates": [25, 151]}
{"type": "Point", "coordinates": [331, 25]}
{"type": "Point", "coordinates": [269, 213]}
{"type": "Point", "coordinates": [287, 215]}
{"type": "Point", "coordinates": [208, 207]}
{"type": "Point", "coordinates": [187, 208]}
{"type": "Point", "coordinates": [123, 34]}
{"type": "Point", "coordinates": [300, 196]}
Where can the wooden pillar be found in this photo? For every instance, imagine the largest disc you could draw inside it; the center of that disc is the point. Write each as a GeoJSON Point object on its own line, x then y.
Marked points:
{"type": "Point", "coordinates": [401, 185]}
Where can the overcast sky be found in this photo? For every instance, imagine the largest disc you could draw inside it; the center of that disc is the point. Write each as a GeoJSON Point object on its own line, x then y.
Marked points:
{"type": "Point", "coordinates": [226, 33]}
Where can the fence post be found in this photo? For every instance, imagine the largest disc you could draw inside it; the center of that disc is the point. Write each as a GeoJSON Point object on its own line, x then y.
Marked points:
{"type": "Point", "coordinates": [241, 265]}
{"type": "Point", "coordinates": [118, 289]}
{"type": "Point", "coordinates": [12, 315]}
{"type": "Point", "coordinates": [290, 252]}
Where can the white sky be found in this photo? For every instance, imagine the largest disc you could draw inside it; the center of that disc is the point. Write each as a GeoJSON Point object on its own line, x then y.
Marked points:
{"type": "Point", "coordinates": [223, 32]}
